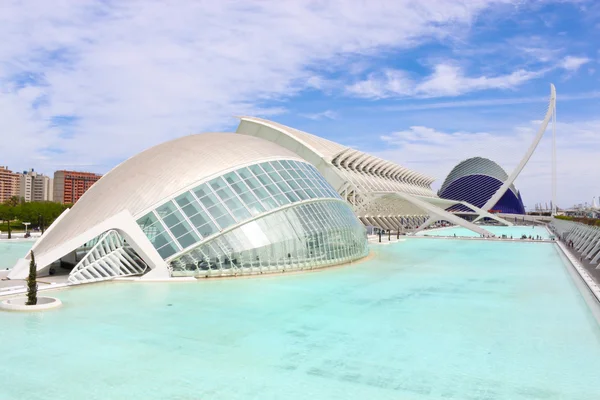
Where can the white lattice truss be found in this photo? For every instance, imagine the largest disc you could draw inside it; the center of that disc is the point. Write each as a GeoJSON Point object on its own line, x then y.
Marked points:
{"type": "Point", "coordinates": [109, 258]}
{"type": "Point", "coordinates": [585, 238]}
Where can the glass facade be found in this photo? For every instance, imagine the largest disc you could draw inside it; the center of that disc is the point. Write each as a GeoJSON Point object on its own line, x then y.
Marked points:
{"type": "Point", "coordinates": [201, 213]}
{"type": "Point", "coordinates": [306, 236]}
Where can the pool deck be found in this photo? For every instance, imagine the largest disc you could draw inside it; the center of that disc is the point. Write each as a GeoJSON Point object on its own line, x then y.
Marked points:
{"type": "Point", "coordinates": [592, 269]}
{"type": "Point", "coordinates": [374, 239]}
{"type": "Point", "coordinates": [14, 287]}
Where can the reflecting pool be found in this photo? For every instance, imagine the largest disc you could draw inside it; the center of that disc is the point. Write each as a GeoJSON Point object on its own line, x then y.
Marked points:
{"type": "Point", "coordinates": [12, 250]}
{"type": "Point", "coordinates": [422, 319]}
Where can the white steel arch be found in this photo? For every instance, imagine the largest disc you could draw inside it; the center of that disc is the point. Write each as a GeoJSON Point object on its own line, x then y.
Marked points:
{"type": "Point", "coordinates": [511, 179]}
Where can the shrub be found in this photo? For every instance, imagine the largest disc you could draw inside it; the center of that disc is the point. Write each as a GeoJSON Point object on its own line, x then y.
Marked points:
{"type": "Point", "coordinates": [32, 283]}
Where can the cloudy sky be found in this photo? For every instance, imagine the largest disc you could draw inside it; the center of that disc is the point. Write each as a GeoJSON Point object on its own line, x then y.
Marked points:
{"type": "Point", "coordinates": [86, 84]}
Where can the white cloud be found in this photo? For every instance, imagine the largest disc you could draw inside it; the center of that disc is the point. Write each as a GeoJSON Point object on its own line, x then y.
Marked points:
{"type": "Point", "coordinates": [389, 83]}
{"type": "Point", "coordinates": [571, 63]}
{"type": "Point", "coordinates": [137, 73]}
{"type": "Point", "coordinates": [486, 103]}
{"type": "Point", "coordinates": [578, 144]}
{"type": "Point", "coordinates": [327, 114]}
{"type": "Point", "coordinates": [450, 80]}
{"type": "Point", "coordinates": [447, 79]}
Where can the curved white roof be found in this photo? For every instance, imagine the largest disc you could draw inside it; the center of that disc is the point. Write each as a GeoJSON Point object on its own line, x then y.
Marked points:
{"type": "Point", "coordinates": [331, 152]}
{"type": "Point", "coordinates": [323, 147]}
{"type": "Point", "coordinates": [155, 174]}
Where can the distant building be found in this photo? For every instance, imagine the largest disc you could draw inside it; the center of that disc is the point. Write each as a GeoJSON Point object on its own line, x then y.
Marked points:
{"type": "Point", "coordinates": [69, 186]}
{"type": "Point", "coordinates": [9, 184]}
{"type": "Point", "coordinates": [34, 186]}
{"type": "Point", "coordinates": [475, 181]}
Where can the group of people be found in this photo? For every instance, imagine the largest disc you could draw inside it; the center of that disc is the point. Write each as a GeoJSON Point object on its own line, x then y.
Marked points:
{"type": "Point", "coordinates": [530, 237]}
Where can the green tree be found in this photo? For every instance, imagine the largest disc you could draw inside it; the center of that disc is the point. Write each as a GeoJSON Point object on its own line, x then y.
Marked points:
{"type": "Point", "coordinates": [7, 214]}
{"type": "Point", "coordinates": [39, 213]}
{"type": "Point", "coordinates": [14, 201]}
{"type": "Point", "coordinates": [32, 283]}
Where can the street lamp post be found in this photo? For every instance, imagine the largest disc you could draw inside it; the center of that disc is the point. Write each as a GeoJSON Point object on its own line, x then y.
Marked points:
{"type": "Point", "coordinates": [41, 223]}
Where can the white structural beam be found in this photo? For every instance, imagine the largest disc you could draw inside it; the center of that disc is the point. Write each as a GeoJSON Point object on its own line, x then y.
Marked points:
{"type": "Point", "coordinates": [449, 203]}
{"type": "Point", "coordinates": [436, 212]}
{"type": "Point", "coordinates": [506, 185]}
{"type": "Point", "coordinates": [427, 223]}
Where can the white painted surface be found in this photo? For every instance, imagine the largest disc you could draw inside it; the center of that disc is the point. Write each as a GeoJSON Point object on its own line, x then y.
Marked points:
{"type": "Point", "coordinates": [18, 304]}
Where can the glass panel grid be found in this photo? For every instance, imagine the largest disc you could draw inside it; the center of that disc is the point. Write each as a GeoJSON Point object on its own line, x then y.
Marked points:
{"type": "Point", "coordinates": [306, 236]}
{"type": "Point", "coordinates": [234, 198]}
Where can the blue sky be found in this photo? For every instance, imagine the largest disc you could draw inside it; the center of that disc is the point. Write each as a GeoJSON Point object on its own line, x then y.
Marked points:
{"type": "Point", "coordinates": [84, 85]}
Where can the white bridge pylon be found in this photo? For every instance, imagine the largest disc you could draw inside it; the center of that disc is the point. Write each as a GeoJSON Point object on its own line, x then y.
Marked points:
{"type": "Point", "coordinates": [550, 113]}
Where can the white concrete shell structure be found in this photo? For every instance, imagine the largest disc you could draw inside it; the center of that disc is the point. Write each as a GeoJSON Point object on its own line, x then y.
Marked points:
{"type": "Point", "coordinates": [382, 194]}
{"type": "Point", "coordinates": [203, 205]}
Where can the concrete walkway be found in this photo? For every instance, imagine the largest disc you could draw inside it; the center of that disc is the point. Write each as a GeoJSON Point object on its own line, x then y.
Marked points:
{"type": "Point", "coordinates": [19, 286]}
{"type": "Point", "coordinates": [591, 269]}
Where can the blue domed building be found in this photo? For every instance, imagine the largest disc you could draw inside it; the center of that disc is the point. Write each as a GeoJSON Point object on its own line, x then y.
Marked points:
{"type": "Point", "coordinates": [475, 181]}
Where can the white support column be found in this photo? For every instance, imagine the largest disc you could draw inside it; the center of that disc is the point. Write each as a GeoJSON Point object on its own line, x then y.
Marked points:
{"type": "Point", "coordinates": [574, 235]}
{"type": "Point", "coordinates": [584, 240]}
{"type": "Point", "coordinates": [427, 223]}
{"type": "Point", "coordinates": [397, 223]}
{"type": "Point", "coordinates": [597, 256]}
{"type": "Point", "coordinates": [553, 212]}
{"type": "Point", "coordinates": [382, 222]}
{"type": "Point", "coordinates": [594, 242]}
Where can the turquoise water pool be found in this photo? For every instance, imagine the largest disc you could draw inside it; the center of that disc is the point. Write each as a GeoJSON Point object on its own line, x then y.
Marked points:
{"type": "Point", "coordinates": [12, 250]}
{"type": "Point", "coordinates": [423, 319]}
{"type": "Point", "coordinates": [515, 231]}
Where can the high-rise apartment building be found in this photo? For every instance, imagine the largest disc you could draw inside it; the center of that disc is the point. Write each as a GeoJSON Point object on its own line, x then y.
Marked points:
{"type": "Point", "coordinates": [35, 187]}
{"type": "Point", "coordinates": [9, 184]}
{"type": "Point", "coordinates": [69, 186]}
